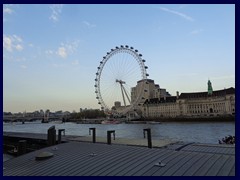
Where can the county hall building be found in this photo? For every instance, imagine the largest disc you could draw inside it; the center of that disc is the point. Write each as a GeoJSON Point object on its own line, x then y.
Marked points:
{"type": "Point", "coordinates": [159, 103]}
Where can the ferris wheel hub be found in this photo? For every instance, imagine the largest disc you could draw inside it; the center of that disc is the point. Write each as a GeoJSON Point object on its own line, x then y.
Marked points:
{"type": "Point", "coordinates": [120, 81]}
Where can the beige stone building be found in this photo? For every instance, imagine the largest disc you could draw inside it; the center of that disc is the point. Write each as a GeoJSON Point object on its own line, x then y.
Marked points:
{"type": "Point", "coordinates": [195, 104]}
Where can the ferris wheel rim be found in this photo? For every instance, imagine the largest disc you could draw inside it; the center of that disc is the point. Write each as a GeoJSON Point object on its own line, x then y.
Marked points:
{"type": "Point", "coordinates": [122, 49]}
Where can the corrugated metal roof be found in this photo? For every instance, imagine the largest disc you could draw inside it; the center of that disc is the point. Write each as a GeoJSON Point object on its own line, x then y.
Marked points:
{"type": "Point", "coordinates": [94, 159]}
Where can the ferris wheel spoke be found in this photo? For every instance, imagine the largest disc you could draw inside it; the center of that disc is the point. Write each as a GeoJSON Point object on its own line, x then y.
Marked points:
{"type": "Point", "coordinates": [110, 68]}
{"type": "Point", "coordinates": [132, 70]}
{"type": "Point", "coordinates": [131, 74]}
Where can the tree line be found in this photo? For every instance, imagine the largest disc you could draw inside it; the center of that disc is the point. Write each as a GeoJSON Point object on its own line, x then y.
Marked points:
{"type": "Point", "coordinates": [88, 114]}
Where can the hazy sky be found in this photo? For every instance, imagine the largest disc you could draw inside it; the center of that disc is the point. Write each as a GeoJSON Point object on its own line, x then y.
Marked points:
{"type": "Point", "coordinates": [51, 52]}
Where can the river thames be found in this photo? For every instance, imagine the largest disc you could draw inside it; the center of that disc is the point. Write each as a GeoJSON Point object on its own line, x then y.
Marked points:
{"type": "Point", "coordinates": [200, 132]}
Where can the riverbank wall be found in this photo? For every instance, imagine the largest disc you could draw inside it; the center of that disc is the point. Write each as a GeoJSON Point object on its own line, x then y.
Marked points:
{"type": "Point", "coordinates": [191, 119]}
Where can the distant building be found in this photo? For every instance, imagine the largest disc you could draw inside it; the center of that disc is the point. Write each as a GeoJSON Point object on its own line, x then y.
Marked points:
{"type": "Point", "coordinates": [195, 104]}
{"type": "Point", "coordinates": [151, 90]}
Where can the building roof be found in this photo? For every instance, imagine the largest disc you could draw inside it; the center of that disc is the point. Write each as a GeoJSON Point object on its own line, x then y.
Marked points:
{"type": "Point", "coordinates": [98, 159]}
{"type": "Point", "coordinates": [222, 92]}
{"type": "Point", "coordinates": [171, 99]}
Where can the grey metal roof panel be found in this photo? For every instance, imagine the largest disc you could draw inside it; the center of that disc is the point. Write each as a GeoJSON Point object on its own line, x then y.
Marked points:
{"type": "Point", "coordinates": [219, 149]}
{"type": "Point", "coordinates": [168, 161]}
{"type": "Point", "coordinates": [175, 165]}
{"type": "Point", "coordinates": [188, 164]}
{"type": "Point", "coordinates": [82, 159]}
{"type": "Point", "coordinates": [196, 166]}
{"type": "Point", "coordinates": [144, 165]}
{"type": "Point", "coordinates": [208, 164]}
{"type": "Point", "coordinates": [232, 172]}
{"type": "Point", "coordinates": [213, 171]}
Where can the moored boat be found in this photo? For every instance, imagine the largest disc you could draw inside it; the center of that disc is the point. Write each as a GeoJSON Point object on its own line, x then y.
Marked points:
{"type": "Point", "coordinates": [153, 122]}
{"type": "Point", "coordinates": [110, 121]}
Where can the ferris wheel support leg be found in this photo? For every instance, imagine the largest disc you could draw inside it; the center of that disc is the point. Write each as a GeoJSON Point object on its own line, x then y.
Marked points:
{"type": "Point", "coordinates": [123, 95]}
{"type": "Point", "coordinates": [126, 95]}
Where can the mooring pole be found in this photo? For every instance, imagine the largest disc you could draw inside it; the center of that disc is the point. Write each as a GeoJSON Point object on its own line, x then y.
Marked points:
{"type": "Point", "coordinates": [149, 137]}
{"type": "Point", "coordinates": [60, 135]}
{"type": "Point", "coordinates": [51, 136]}
{"type": "Point", "coordinates": [109, 136]}
{"type": "Point", "coordinates": [93, 134]}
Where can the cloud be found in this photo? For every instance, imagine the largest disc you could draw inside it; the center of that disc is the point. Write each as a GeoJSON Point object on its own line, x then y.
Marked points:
{"type": "Point", "coordinates": [89, 25]}
{"type": "Point", "coordinates": [12, 42]}
{"type": "Point", "coordinates": [49, 52]}
{"type": "Point", "coordinates": [66, 49]}
{"type": "Point", "coordinates": [7, 10]}
{"type": "Point", "coordinates": [7, 43]}
{"type": "Point", "coordinates": [196, 31]}
{"type": "Point", "coordinates": [19, 47]}
{"type": "Point", "coordinates": [23, 67]}
{"type": "Point", "coordinates": [18, 39]}
{"type": "Point", "coordinates": [56, 11]}
{"type": "Point", "coordinates": [62, 52]}
{"type": "Point", "coordinates": [71, 47]}
{"type": "Point", "coordinates": [13, 58]}
{"type": "Point", "coordinates": [177, 13]}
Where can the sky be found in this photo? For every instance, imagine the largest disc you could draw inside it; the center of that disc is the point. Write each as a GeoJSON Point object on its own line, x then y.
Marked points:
{"type": "Point", "coordinates": [51, 52]}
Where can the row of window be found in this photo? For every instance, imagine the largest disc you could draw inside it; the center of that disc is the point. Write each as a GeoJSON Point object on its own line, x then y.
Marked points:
{"type": "Point", "coordinates": [163, 108]}
{"type": "Point", "coordinates": [203, 111]}
{"type": "Point", "coordinates": [206, 106]}
{"type": "Point", "coordinates": [162, 114]}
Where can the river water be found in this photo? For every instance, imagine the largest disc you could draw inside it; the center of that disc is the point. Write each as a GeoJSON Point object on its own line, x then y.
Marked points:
{"type": "Point", "coordinates": [200, 132]}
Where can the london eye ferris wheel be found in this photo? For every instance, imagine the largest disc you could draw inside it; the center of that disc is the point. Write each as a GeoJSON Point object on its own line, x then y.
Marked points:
{"type": "Point", "coordinates": [116, 76]}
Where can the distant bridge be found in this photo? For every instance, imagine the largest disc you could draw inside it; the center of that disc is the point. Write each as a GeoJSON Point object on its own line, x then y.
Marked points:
{"type": "Point", "coordinates": [29, 119]}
